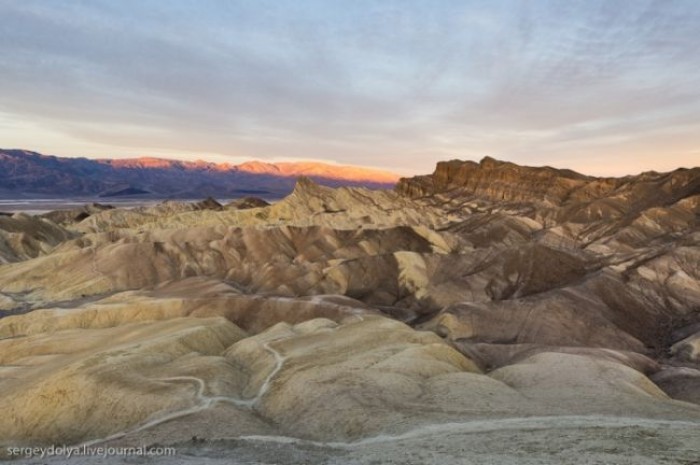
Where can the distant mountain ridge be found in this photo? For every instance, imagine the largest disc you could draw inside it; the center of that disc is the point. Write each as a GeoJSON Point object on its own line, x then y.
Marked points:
{"type": "Point", "coordinates": [25, 173]}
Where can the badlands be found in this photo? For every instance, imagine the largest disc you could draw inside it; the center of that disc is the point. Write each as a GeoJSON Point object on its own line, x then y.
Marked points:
{"type": "Point", "coordinates": [486, 313]}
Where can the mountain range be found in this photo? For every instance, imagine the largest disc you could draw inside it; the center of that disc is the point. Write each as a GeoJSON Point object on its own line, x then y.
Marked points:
{"type": "Point", "coordinates": [24, 173]}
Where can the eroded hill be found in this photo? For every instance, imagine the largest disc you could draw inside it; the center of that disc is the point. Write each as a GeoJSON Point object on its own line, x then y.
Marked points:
{"type": "Point", "coordinates": [486, 292]}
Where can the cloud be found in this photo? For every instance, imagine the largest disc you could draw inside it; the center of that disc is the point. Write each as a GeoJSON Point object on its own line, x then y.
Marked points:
{"type": "Point", "coordinates": [377, 83]}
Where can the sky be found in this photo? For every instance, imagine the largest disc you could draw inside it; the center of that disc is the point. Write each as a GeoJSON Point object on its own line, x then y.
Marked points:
{"type": "Point", "coordinates": [605, 87]}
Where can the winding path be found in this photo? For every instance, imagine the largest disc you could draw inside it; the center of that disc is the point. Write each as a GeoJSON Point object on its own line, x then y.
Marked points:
{"type": "Point", "coordinates": [486, 426]}
{"type": "Point", "coordinates": [203, 401]}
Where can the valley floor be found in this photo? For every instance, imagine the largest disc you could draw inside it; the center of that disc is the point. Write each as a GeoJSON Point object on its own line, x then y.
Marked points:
{"type": "Point", "coordinates": [580, 440]}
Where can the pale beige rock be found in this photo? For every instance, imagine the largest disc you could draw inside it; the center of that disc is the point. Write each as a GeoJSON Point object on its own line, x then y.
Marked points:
{"type": "Point", "coordinates": [189, 297]}
{"type": "Point", "coordinates": [80, 384]}
{"type": "Point", "coordinates": [378, 375]}
{"type": "Point", "coordinates": [578, 384]}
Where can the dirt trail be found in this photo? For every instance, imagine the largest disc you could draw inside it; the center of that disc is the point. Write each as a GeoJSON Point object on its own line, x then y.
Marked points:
{"type": "Point", "coordinates": [202, 400]}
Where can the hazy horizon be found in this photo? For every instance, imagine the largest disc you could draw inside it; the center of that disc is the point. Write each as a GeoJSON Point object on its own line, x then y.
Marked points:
{"type": "Point", "coordinates": [603, 88]}
{"type": "Point", "coordinates": [228, 160]}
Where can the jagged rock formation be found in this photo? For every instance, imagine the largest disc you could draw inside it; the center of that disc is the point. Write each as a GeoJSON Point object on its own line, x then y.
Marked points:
{"type": "Point", "coordinates": [484, 293]}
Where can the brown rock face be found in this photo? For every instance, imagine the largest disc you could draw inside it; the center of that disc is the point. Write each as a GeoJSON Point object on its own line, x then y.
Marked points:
{"type": "Point", "coordinates": [495, 180]}
{"type": "Point", "coordinates": [500, 181]}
